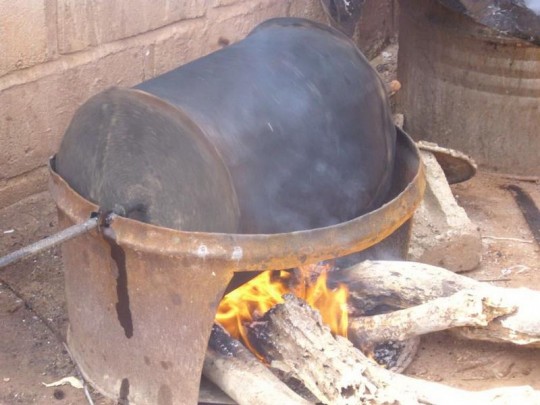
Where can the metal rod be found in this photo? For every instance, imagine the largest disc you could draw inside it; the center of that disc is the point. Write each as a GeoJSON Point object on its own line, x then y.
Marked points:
{"type": "Point", "coordinates": [49, 242]}
{"type": "Point", "coordinates": [528, 208]}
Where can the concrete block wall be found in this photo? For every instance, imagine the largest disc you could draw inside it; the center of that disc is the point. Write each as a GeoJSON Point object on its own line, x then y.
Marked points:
{"type": "Point", "coordinates": [55, 54]}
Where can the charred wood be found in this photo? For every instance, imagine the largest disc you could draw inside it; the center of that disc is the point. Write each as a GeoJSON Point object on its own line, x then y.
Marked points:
{"type": "Point", "coordinates": [292, 338]}
{"type": "Point", "coordinates": [244, 378]}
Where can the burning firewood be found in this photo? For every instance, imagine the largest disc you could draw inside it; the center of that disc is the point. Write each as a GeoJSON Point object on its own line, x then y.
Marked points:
{"type": "Point", "coordinates": [230, 366]}
{"type": "Point", "coordinates": [474, 306]}
{"type": "Point", "coordinates": [292, 338]}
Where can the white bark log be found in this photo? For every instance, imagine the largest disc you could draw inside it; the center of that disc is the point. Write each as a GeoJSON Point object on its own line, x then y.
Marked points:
{"type": "Point", "coordinates": [464, 308]}
{"type": "Point", "coordinates": [408, 284]}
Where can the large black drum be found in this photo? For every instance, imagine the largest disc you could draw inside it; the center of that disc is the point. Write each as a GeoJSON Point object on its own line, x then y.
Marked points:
{"type": "Point", "coordinates": [288, 129]}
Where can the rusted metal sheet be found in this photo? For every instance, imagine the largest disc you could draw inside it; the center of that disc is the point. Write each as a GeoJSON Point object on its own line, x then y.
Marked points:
{"type": "Point", "coordinates": [469, 87]}
{"type": "Point", "coordinates": [457, 166]}
{"type": "Point", "coordinates": [141, 299]}
{"type": "Point", "coordinates": [519, 18]}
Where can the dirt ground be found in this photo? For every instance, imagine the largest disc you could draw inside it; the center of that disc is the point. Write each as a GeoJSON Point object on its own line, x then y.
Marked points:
{"type": "Point", "coordinates": [33, 314]}
{"type": "Point", "coordinates": [505, 263]}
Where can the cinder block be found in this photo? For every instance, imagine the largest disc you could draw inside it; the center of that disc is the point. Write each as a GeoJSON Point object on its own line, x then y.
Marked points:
{"type": "Point", "coordinates": [225, 3]}
{"type": "Point", "coordinates": [85, 23]}
{"type": "Point", "coordinates": [176, 46]}
{"type": "Point", "coordinates": [36, 114]}
{"type": "Point", "coordinates": [27, 34]}
{"type": "Point", "coordinates": [231, 24]}
{"type": "Point", "coordinates": [442, 233]}
{"type": "Point", "coordinates": [310, 9]}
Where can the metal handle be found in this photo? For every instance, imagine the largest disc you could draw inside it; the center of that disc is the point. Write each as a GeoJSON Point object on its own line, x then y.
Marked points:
{"type": "Point", "coordinates": [49, 242]}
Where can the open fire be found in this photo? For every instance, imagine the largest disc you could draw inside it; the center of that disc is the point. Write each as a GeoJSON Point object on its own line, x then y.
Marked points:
{"type": "Point", "coordinates": [252, 300]}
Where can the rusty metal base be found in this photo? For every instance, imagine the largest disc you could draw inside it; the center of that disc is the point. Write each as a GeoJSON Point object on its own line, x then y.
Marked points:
{"type": "Point", "coordinates": [142, 299]}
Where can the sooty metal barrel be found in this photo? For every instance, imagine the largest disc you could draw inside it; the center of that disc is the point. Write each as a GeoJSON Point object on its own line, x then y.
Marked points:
{"type": "Point", "coordinates": [296, 113]}
{"type": "Point", "coordinates": [141, 298]}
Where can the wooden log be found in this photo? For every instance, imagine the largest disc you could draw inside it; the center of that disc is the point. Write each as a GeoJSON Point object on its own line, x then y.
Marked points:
{"type": "Point", "coordinates": [464, 308]}
{"type": "Point", "coordinates": [408, 390]}
{"type": "Point", "coordinates": [407, 284]}
{"type": "Point", "coordinates": [293, 339]}
{"type": "Point", "coordinates": [244, 378]}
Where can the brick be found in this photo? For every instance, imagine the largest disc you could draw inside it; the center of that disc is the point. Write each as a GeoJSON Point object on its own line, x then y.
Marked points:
{"type": "Point", "coordinates": [225, 3]}
{"type": "Point", "coordinates": [36, 114]}
{"type": "Point", "coordinates": [309, 9]}
{"type": "Point", "coordinates": [85, 23]}
{"type": "Point", "coordinates": [27, 34]}
{"type": "Point", "coordinates": [179, 45]}
{"type": "Point", "coordinates": [442, 233]}
{"type": "Point", "coordinates": [233, 23]}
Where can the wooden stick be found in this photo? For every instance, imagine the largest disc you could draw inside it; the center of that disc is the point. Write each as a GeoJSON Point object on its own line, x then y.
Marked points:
{"type": "Point", "coordinates": [464, 308]}
{"type": "Point", "coordinates": [406, 284]}
{"type": "Point", "coordinates": [244, 378]}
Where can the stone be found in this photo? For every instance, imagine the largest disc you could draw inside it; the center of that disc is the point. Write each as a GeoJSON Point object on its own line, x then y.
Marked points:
{"type": "Point", "coordinates": [442, 233]}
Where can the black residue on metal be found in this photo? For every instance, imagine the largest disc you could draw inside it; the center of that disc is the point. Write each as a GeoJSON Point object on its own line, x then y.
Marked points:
{"type": "Point", "coordinates": [529, 209]}
{"type": "Point", "coordinates": [344, 13]}
{"type": "Point", "coordinates": [124, 392]}
{"type": "Point", "coordinates": [122, 306]}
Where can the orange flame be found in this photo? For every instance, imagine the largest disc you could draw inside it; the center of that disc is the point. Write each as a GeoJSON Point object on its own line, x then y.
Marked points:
{"type": "Point", "coordinates": [253, 299]}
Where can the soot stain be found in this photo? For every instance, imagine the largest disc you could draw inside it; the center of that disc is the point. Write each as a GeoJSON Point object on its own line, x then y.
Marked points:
{"type": "Point", "coordinates": [123, 310]}
{"type": "Point", "coordinates": [124, 392]}
{"type": "Point", "coordinates": [146, 360]}
{"type": "Point", "coordinates": [59, 394]}
{"type": "Point", "coordinates": [165, 364]}
{"type": "Point", "coordinates": [165, 395]}
{"type": "Point", "coordinates": [222, 41]}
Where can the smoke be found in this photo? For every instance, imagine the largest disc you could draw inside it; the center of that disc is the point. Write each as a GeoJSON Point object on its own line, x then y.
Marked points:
{"type": "Point", "coordinates": [534, 5]}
